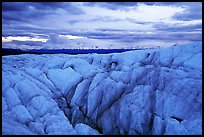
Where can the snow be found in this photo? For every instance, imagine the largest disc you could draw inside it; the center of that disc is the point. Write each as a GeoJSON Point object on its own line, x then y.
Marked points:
{"type": "Point", "coordinates": [64, 79]}
{"type": "Point", "coordinates": [11, 127]}
{"type": "Point", "coordinates": [37, 127]}
{"type": "Point", "coordinates": [121, 76]}
{"type": "Point", "coordinates": [12, 98]}
{"type": "Point", "coordinates": [83, 129]}
{"type": "Point", "coordinates": [21, 114]}
{"type": "Point", "coordinates": [80, 93]}
{"type": "Point", "coordinates": [171, 128]}
{"type": "Point", "coordinates": [82, 67]}
{"type": "Point", "coordinates": [28, 88]}
{"type": "Point", "coordinates": [34, 72]}
{"type": "Point", "coordinates": [41, 105]}
{"type": "Point", "coordinates": [152, 91]}
{"type": "Point", "coordinates": [194, 62]}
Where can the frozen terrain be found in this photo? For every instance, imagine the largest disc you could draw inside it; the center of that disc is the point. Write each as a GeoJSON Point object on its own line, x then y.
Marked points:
{"type": "Point", "coordinates": [154, 91]}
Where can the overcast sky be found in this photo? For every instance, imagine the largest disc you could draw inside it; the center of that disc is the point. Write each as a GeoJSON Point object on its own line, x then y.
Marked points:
{"type": "Point", "coordinates": [54, 25]}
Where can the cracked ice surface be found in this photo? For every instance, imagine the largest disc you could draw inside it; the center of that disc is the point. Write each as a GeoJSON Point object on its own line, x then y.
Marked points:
{"type": "Point", "coordinates": [154, 91]}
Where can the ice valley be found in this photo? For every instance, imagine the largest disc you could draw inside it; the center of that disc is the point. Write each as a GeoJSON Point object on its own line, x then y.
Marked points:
{"type": "Point", "coordinates": [153, 91]}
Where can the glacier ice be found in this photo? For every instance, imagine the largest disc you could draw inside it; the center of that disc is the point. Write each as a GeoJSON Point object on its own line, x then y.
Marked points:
{"type": "Point", "coordinates": [152, 91]}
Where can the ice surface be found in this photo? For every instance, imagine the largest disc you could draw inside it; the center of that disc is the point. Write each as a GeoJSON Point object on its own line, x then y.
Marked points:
{"type": "Point", "coordinates": [83, 129]}
{"type": "Point", "coordinates": [11, 127]}
{"type": "Point", "coordinates": [21, 114]}
{"type": "Point", "coordinates": [152, 91]}
{"type": "Point", "coordinates": [64, 79]}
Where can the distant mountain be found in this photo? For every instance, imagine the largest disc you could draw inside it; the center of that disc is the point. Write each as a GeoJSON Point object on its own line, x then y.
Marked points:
{"type": "Point", "coordinates": [6, 51]}
{"type": "Point", "coordinates": [62, 51]}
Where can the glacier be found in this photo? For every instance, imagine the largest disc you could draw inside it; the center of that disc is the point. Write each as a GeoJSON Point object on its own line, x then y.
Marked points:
{"type": "Point", "coordinates": [148, 92]}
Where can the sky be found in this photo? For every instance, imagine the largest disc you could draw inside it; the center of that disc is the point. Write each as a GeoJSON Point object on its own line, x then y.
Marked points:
{"type": "Point", "coordinates": [84, 25]}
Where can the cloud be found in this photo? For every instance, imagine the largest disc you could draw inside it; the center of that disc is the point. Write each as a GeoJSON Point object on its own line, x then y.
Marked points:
{"type": "Point", "coordinates": [71, 37]}
{"type": "Point", "coordinates": [72, 22]}
{"type": "Point", "coordinates": [112, 5]}
{"type": "Point", "coordinates": [191, 12]}
{"type": "Point", "coordinates": [14, 6]}
{"type": "Point", "coordinates": [125, 23]}
{"type": "Point", "coordinates": [178, 27]}
{"type": "Point", "coordinates": [23, 38]}
{"type": "Point", "coordinates": [28, 11]}
{"type": "Point", "coordinates": [21, 46]}
{"type": "Point", "coordinates": [134, 36]}
{"type": "Point", "coordinates": [192, 9]}
{"type": "Point", "coordinates": [105, 19]}
{"type": "Point", "coordinates": [45, 6]}
{"type": "Point", "coordinates": [141, 12]}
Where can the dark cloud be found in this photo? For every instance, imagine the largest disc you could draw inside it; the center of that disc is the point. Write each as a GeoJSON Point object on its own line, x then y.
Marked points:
{"type": "Point", "coordinates": [108, 29]}
{"type": "Point", "coordinates": [193, 12]}
{"type": "Point", "coordinates": [28, 11]}
{"type": "Point", "coordinates": [72, 22]}
{"type": "Point", "coordinates": [163, 3]}
{"type": "Point", "coordinates": [105, 19]}
{"type": "Point", "coordinates": [106, 34]}
{"type": "Point", "coordinates": [48, 5]}
{"type": "Point", "coordinates": [125, 5]}
{"type": "Point", "coordinates": [30, 43]}
{"type": "Point", "coordinates": [138, 22]}
{"type": "Point", "coordinates": [125, 36]}
{"type": "Point", "coordinates": [160, 37]}
{"type": "Point", "coordinates": [14, 6]}
{"type": "Point", "coordinates": [112, 5]}
{"type": "Point", "coordinates": [58, 5]}
{"type": "Point", "coordinates": [45, 6]}
{"type": "Point", "coordinates": [176, 28]}
{"type": "Point", "coordinates": [18, 17]}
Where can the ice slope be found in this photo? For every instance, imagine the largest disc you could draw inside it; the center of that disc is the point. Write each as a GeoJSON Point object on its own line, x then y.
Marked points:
{"type": "Point", "coordinates": [155, 91]}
